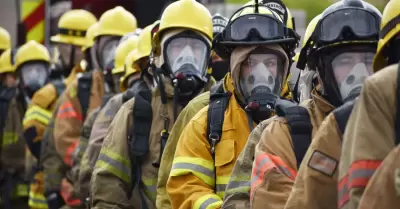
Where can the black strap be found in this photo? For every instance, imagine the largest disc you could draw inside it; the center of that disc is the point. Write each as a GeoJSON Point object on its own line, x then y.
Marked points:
{"type": "Point", "coordinates": [84, 91]}
{"type": "Point", "coordinates": [219, 101]}
{"type": "Point", "coordinates": [59, 86]}
{"type": "Point", "coordinates": [138, 140]}
{"type": "Point", "coordinates": [398, 107]}
{"type": "Point", "coordinates": [300, 128]}
{"type": "Point", "coordinates": [342, 115]}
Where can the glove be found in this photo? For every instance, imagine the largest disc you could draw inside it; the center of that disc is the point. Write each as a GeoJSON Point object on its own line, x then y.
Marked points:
{"type": "Point", "coordinates": [54, 200]}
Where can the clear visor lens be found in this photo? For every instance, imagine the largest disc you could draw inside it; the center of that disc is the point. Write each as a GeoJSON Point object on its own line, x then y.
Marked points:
{"type": "Point", "coordinates": [65, 51]}
{"type": "Point", "coordinates": [264, 26]}
{"type": "Point", "coordinates": [107, 46]}
{"type": "Point", "coordinates": [350, 70]}
{"type": "Point", "coordinates": [362, 23]}
{"type": "Point", "coordinates": [261, 73]}
{"type": "Point", "coordinates": [34, 74]}
{"type": "Point", "coordinates": [187, 55]}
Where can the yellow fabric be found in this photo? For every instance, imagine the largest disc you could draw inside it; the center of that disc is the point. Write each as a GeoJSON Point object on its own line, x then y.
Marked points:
{"type": "Point", "coordinates": [36, 198]}
{"type": "Point", "coordinates": [37, 113]}
{"type": "Point", "coordinates": [31, 51]}
{"type": "Point", "coordinates": [76, 21]}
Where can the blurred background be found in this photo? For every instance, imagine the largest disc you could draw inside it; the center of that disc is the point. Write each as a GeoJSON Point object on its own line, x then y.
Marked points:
{"type": "Point", "coordinates": [37, 19]}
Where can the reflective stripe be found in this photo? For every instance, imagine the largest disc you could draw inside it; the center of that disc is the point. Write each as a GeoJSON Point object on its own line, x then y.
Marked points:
{"type": "Point", "coordinates": [22, 190]}
{"type": "Point", "coordinates": [210, 201]}
{"type": "Point", "coordinates": [361, 171]}
{"type": "Point", "coordinates": [343, 191]}
{"type": "Point", "coordinates": [115, 164]}
{"type": "Point", "coordinates": [66, 110]}
{"type": "Point", "coordinates": [37, 200]}
{"type": "Point", "coordinates": [238, 184]}
{"type": "Point", "coordinates": [150, 187]}
{"type": "Point", "coordinates": [66, 193]}
{"type": "Point", "coordinates": [9, 138]}
{"type": "Point", "coordinates": [265, 162]}
{"type": "Point", "coordinates": [68, 154]}
{"type": "Point", "coordinates": [201, 168]}
{"type": "Point", "coordinates": [37, 113]}
{"type": "Point", "coordinates": [220, 187]}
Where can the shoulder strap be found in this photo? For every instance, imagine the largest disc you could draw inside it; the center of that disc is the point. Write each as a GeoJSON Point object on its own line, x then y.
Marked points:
{"type": "Point", "coordinates": [342, 114]}
{"type": "Point", "coordinates": [300, 128]}
{"type": "Point", "coordinates": [219, 101]}
{"type": "Point", "coordinates": [84, 90]}
{"type": "Point", "coordinates": [59, 86]}
{"type": "Point", "coordinates": [398, 106]}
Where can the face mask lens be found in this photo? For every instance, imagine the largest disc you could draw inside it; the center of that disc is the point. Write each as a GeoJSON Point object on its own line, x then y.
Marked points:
{"type": "Point", "coordinates": [261, 73]}
{"type": "Point", "coordinates": [34, 74]}
{"type": "Point", "coordinates": [350, 70]}
{"type": "Point", "coordinates": [187, 55]}
{"type": "Point", "coordinates": [107, 46]}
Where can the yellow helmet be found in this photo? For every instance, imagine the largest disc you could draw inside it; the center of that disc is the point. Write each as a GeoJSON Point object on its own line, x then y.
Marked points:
{"type": "Point", "coordinates": [390, 27]}
{"type": "Point", "coordinates": [5, 41]}
{"type": "Point", "coordinates": [122, 51]}
{"type": "Point", "coordinates": [145, 40]}
{"type": "Point", "coordinates": [73, 26]}
{"type": "Point", "coordinates": [186, 14]}
{"type": "Point", "coordinates": [90, 36]}
{"type": "Point", "coordinates": [31, 51]}
{"type": "Point", "coordinates": [131, 67]}
{"type": "Point", "coordinates": [310, 29]}
{"type": "Point", "coordinates": [6, 62]}
{"type": "Point", "coordinates": [116, 22]}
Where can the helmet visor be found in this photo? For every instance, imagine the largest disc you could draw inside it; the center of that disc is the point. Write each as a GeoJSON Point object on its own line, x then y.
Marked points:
{"type": "Point", "coordinates": [255, 25]}
{"type": "Point", "coordinates": [187, 55]}
{"type": "Point", "coordinates": [350, 70]}
{"type": "Point", "coordinates": [261, 73]}
{"type": "Point", "coordinates": [359, 22]}
{"type": "Point", "coordinates": [34, 74]}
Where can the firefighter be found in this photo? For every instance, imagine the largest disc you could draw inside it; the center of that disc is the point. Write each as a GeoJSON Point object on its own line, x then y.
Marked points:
{"type": "Point", "coordinates": [219, 66]}
{"type": "Point", "coordinates": [212, 140]}
{"type": "Point", "coordinates": [372, 130]}
{"type": "Point", "coordinates": [182, 49]}
{"type": "Point", "coordinates": [71, 36]}
{"type": "Point", "coordinates": [316, 182]}
{"type": "Point", "coordinates": [5, 40]}
{"type": "Point", "coordinates": [80, 98]}
{"type": "Point", "coordinates": [285, 141]}
{"type": "Point", "coordinates": [8, 76]}
{"type": "Point", "coordinates": [107, 112]}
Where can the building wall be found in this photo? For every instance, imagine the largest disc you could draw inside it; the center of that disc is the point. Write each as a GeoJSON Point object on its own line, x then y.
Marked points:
{"type": "Point", "coordinates": [8, 18]}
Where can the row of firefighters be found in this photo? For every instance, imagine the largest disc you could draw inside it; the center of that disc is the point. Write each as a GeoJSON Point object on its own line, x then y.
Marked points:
{"type": "Point", "coordinates": [195, 111]}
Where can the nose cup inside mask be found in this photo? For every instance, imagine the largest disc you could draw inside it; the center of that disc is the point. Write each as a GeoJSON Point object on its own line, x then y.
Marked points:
{"type": "Point", "coordinates": [352, 84]}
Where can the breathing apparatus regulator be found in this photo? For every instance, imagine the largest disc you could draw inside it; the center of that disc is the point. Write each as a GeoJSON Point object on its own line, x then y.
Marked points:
{"type": "Point", "coordinates": [263, 72]}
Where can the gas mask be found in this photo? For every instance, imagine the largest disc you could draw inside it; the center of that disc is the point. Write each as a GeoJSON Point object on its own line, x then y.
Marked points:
{"type": "Point", "coordinates": [106, 47]}
{"type": "Point", "coordinates": [33, 76]}
{"type": "Point", "coordinates": [350, 70]}
{"type": "Point", "coordinates": [69, 56]}
{"type": "Point", "coordinates": [260, 82]}
{"type": "Point", "coordinates": [186, 59]}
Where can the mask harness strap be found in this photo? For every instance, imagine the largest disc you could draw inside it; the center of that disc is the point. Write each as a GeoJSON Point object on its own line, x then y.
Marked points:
{"type": "Point", "coordinates": [250, 109]}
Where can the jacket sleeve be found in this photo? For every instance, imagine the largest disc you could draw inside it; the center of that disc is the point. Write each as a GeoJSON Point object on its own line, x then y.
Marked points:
{"type": "Point", "coordinates": [67, 125]}
{"type": "Point", "coordinates": [111, 182]}
{"type": "Point", "coordinates": [237, 192]}
{"type": "Point", "coordinates": [274, 167]}
{"type": "Point", "coordinates": [316, 181]}
{"type": "Point", "coordinates": [192, 178]}
{"type": "Point", "coordinates": [383, 190]}
{"type": "Point", "coordinates": [368, 138]}
{"type": "Point", "coordinates": [168, 155]}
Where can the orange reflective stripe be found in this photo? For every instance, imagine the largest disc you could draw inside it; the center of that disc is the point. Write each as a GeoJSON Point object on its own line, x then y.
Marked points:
{"type": "Point", "coordinates": [66, 193]}
{"type": "Point", "coordinates": [361, 171]}
{"type": "Point", "coordinates": [70, 150]}
{"type": "Point", "coordinates": [265, 162]}
{"type": "Point", "coordinates": [343, 189]}
{"type": "Point", "coordinates": [66, 110]}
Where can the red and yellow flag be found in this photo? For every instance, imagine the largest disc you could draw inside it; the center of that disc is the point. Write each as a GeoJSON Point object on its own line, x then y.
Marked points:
{"type": "Point", "coordinates": [33, 17]}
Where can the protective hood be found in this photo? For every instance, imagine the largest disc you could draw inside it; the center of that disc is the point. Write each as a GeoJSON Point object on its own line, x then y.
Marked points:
{"type": "Point", "coordinates": [240, 54]}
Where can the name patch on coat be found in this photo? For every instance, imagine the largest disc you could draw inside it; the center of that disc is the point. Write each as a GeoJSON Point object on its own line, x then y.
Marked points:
{"type": "Point", "coordinates": [322, 163]}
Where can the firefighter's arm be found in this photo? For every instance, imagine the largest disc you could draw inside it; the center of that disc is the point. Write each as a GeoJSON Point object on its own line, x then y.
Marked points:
{"type": "Point", "coordinates": [67, 125]}
{"type": "Point", "coordinates": [37, 118]}
{"type": "Point", "coordinates": [274, 167]}
{"type": "Point", "coordinates": [111, 182]}
{"type": "Point", "coordinates": [316, 181]}
{"type": "Point", "coordinates": [368, 138]}
{"type": "Point", "coordinates": [192, 178]}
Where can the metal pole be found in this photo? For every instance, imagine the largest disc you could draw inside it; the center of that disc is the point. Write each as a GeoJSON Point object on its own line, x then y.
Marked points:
{"type": "Point", "coordinates": [47, 26]}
